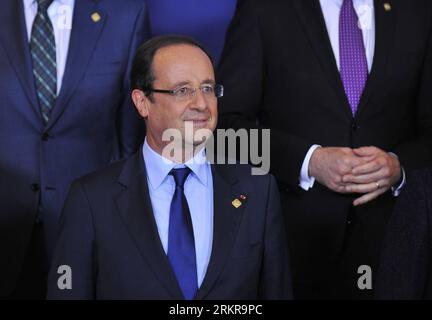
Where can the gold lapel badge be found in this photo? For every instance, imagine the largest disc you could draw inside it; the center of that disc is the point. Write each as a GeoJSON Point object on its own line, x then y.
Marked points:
{"type": "Point", "coordinates": [387, 7]}
{"type": "Point", "coordinates": [236, 203]}
{"type": "Point", "coordinates": [95, 17]}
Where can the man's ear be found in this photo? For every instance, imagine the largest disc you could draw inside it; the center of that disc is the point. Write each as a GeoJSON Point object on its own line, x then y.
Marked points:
{"type": "Point", "coordinates": [141, 102]}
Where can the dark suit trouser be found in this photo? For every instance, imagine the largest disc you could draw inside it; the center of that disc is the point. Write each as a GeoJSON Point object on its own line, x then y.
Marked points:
{"type": "Point", "coordinates": [32, 281]}
{"type": "Point", "coordinates": [339, 281]}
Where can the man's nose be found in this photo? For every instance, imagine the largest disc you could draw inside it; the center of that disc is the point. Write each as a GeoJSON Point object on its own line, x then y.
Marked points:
{"type": "Point", "coordinates": [199, 101]}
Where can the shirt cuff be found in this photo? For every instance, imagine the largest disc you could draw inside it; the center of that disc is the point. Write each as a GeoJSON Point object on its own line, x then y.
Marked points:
{"type": "Point", "coordinates": [396, 190]}
{"type": "Point", "coordinates": [305, 181]}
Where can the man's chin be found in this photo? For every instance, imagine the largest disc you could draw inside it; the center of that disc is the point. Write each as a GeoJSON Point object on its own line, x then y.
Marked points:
{"type": "Point", "coordinates": [195, 143]}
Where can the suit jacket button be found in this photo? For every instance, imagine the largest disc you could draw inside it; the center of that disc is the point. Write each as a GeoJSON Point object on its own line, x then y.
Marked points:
{"type": "Point", "coordinates": [45, 136]}
{"type": "Point", "coordinates": [355, 126]}
{"type": "Point", "coordinates": [35, 187]}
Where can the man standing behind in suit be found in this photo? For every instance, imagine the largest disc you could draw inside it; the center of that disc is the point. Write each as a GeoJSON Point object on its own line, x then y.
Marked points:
{"type": "Point", "coordinates": [345, 87]}
{"type": "Point", "coordinates": [157, 227]}
{"type": "Point", "coordinates": [405, 270]}
{"type": "Point", "coordinates": [65, 110]}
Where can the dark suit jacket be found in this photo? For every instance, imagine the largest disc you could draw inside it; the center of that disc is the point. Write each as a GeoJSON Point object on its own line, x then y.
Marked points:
{"type": "Point", "coordinates": [279, 71]}
{"type": "Point", "coordinates": [110, 240]}
{"type": "Point", "coordinates": [92, 111]}
{"type": "Point", "coordinates": [405, 270]}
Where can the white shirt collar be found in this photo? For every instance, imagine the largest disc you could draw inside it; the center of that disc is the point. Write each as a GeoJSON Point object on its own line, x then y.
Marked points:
{"type": "Point", "coordinates": [356, 2]}
{"type": "Point", "coordinates": [32, 4]}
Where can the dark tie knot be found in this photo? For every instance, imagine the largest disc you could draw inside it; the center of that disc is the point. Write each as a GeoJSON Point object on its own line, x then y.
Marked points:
{"type": "Point", "coordinates": [180, 175]}
{"type": "Point", "coordinates": [43, 5]}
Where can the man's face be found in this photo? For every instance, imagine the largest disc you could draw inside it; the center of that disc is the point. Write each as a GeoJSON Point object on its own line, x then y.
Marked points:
{"type": "Point", "coordinates": [175, 67]}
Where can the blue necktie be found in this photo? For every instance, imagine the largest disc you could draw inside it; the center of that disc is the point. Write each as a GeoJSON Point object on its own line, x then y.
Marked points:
{"type": "Point", "coordinates": [353, 61]}
{"type": "Point", "coordinates": [43, 53]}
{"type": "Point", "coordinates": [181, 243]}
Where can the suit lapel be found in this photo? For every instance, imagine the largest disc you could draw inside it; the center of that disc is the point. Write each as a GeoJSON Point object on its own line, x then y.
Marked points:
{"type": "Point", "coordinates": [226, 222]}
{"type": "Point", "coordinates": [134, 205]}
{"type": "Point", "coordinates": [313, 23]}
{"type": "Point", "coordinates": [135, 208]}
{"type": "Point", "coordinates": [84, 37]}
{"type": "Point", "coordinates": [385, 22]}
{"type": "Point", "coordinates": [15, 43]}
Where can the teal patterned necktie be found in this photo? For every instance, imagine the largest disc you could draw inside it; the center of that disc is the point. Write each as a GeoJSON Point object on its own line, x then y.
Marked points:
{"type": "Point", "coordinates": [43, 53]}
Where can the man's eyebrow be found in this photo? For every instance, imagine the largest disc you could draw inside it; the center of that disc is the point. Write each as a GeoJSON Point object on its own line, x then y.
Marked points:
{"type": "Point", "coordinates": [182, 83]}
{"type": "Point", "coordinates": [187, 83]}
{"type": "Point", "coordinates": [208, 81]}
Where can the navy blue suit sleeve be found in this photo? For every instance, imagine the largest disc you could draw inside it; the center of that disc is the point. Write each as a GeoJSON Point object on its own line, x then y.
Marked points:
{"type": "Point", "coordinates": [275, 279]}
{"type": "Point", "coordinates": [405, 257]}
{"type": "Point", "coordinates": [75, 249]}
{"type": "Point", "coordinates": [130, 126]}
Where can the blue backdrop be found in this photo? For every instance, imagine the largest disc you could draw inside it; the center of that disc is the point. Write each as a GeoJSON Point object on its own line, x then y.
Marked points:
{"type": "Point", "coordinates": [204, 20]}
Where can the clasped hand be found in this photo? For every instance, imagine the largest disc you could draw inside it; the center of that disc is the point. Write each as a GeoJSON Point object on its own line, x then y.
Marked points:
{"type": "Point", "coordinates": [369, 171]}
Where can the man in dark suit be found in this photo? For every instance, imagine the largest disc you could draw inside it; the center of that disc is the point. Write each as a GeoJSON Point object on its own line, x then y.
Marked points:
{"type": "Point", "coordinates": [344, 86]}
{"type": "Point", "coordinates": [165, 225]}
{"type": "Point", "coordinates": [65, 111]}
{"type": "Point", "coordinates": [405, 266]}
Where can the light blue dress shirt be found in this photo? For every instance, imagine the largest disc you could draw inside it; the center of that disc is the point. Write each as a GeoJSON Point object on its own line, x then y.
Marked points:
{"type": "Point", "coordinates": [60, 13]}
{"type": "Point", "coordinates": [198, 190]}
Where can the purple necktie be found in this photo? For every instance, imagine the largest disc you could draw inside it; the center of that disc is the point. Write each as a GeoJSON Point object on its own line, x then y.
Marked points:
{"type": "Point", "coordinates": [353, 62]}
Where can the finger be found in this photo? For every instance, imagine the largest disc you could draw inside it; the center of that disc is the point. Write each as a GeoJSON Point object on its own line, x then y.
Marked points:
{"type": "Point", "coordinates": [341, 188]}
{"type": "Point", "coordinates": [368, 158]}
{"type": "Point", "coordinates": [346, 164]}
{"type": "Point", "coordinates": [336, 184]}
{"type": "Point", "coordinates": [366, 151]}
{"type": "Point", "coordinates": [365, 188]}
{"type": "Point", "coordinates": [369, 167]}
{"type": "Point", "coordinates": [358, 161]}
{"type": "Point", "coordinates": [364, 178]}
{"type": "Point", "coordinates": [369, 197]}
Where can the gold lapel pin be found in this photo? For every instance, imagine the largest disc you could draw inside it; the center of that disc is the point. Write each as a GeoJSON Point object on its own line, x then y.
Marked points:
{"type": "Point", "coordinates": [95, 17]}
{"type": "Point", "coordinates": [236, 203]}
{"type": "Point", "coordinates": [387, 7]}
